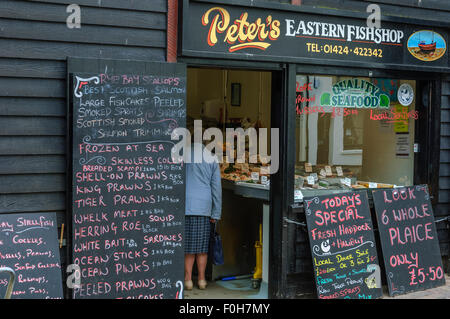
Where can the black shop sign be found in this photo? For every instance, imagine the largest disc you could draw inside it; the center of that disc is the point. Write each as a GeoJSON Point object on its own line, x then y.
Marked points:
{"type": "Point", "coordinates": [234, 32]}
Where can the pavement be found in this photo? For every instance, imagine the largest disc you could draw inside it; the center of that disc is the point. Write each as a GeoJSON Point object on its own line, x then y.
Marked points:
{"type": "Point", "coordinates": [242, 290]}
{"type": "Point", "coordinates": [442, 292]}
{"type": "Point", "coordinates": [235, 289]}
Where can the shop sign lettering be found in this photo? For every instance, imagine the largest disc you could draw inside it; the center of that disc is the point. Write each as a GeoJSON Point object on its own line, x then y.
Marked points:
{"type": "Point", "coordinates": [288, 36]}
{"type": "Point", "coordinates": [240, 31]}
{"type": "Point", "coordinates": [347, 32]}
{"type": "Point", "coordinates": [355, 93]}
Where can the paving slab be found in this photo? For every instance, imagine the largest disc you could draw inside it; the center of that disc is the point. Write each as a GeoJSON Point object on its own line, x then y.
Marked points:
{"type": "Point", "coordinates": [241, 291]}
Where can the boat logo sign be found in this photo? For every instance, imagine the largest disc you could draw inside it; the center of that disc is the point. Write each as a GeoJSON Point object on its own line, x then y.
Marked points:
{"type": "Point", "coordinates": [426, 45]}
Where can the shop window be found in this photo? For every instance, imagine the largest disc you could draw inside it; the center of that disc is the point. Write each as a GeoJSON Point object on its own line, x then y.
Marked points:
{"type": "Point", "coordinates": [353, 133]}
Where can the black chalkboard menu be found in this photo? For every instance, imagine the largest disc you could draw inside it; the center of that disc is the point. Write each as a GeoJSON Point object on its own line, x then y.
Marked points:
{"type": "Point", "coordinates": [29, 245]}
{"type": "Point", "coordinates": [128, 194]}
{"type": "Point", "coordinates": [408, 239]}
{"type": "Point", "coordinates": [343, 247]}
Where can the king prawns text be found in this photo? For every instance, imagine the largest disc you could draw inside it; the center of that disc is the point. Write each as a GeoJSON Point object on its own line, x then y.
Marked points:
{"type": "Point", "coordinates": [339, 209]}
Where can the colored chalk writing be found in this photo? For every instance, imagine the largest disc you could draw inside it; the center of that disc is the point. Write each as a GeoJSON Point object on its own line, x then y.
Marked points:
{"type": "Point", "coordinates": [127, 192]}
{"type": "Point", "coordinates": [29, 245]}
{"type": "Point", "coordinates": [408, 239]}
{"type": "Point", "coordinates": [343, 248]}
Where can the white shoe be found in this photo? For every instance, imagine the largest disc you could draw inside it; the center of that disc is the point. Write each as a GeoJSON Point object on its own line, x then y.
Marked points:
{"type": "Point", "coordinates": [202, 284]}
{"type": "Point", "coordinates": [188, 285]}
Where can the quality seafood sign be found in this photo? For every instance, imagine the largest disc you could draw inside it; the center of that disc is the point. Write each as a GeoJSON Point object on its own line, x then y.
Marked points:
{"type": "Point", "coordinates": [278, 35]}
{"type": "Point", "coordinates": [355, 93]}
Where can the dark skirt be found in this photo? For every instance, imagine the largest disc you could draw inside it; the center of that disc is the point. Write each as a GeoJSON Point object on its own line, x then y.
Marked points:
{"type": "Point", "coordinates": [196, 235]}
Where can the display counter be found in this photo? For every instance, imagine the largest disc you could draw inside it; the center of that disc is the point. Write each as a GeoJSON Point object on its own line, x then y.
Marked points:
{"type": "Point", "coordinates": [250, 190]}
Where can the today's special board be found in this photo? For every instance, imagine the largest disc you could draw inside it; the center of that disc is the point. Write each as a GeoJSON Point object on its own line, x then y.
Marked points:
{"type": "Point", "coordinates": [343, 247]}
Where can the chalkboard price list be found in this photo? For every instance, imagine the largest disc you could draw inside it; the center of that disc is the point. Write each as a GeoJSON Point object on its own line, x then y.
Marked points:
{"type": "Point", "coordinates": [29, 246]}
{"type": "Point", "coordinates": [343, 247]}
{"type": "Point", "coordinates": [409, 239]}
{"type": "Point", "coordinates": [128, 194]}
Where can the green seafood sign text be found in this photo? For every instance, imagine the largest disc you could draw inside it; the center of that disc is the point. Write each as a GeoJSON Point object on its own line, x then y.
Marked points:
{"type": "Point", "coordinates": [355, 93]}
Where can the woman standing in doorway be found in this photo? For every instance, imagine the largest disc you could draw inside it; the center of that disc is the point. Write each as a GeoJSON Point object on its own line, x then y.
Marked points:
{"type": "Point", "coordinates": [203, 207]}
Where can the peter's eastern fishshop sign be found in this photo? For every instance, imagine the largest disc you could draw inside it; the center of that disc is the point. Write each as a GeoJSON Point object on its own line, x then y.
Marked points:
{"type": "Point", "coordinates": [285, 36]}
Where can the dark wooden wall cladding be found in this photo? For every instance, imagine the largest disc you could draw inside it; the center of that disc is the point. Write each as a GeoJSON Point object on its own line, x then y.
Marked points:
{"type": "Point", "coordinates": [442, 208]}
{"type": "Point", "coordinates": [34, 45]}
{"type": "Point", "coordinates": [280, 1]}
{"type": "Point", "coordinates": [427, 8]}
{"type": "Point", "coordinates": [431, 10]}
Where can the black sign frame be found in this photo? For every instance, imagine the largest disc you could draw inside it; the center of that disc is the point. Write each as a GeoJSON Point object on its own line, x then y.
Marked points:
{"type": "Point", "coordinates": [192, 30]}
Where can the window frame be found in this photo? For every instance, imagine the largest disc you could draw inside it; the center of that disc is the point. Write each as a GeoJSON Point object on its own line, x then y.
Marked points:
{"type": "Point", "coordinates": [429, 141]}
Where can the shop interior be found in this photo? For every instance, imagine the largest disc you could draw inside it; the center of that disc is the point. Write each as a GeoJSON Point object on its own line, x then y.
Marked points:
{"type": "Point", "coordinates": [232, 98]}
{"type": "Point", "coordinates": [341, 146]}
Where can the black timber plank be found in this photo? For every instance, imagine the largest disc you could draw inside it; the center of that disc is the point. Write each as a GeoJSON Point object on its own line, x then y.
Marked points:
{"type": "Point", "coordinates": [32, 164]}
{"type": "Point", "coordinates": [32, 106]}
{"type": "Point", "coordinates": [49, 31]}
{"type": "Point", "coordinates": [445, 115]}
{"type": "Point", "coordinates": [444, 169]}
{"type": "Point", "coordinates": [12, 203]}
{"type": "Point", "coordinates": [135, 5]}
{"type": "Point", "coordinates": [444, 183]}
{"type": "Point", "coordinates": [17, 87]}
{"type": "Point", "coordinates": [445, 87]}
{"type": "Point", "coordinates": [441, 209]}
{"type": "Point", "coordinates": [18, 126]}
{"type": "Point", "coordinates": [445, 102]}
{"type": "Point", "coordinates": [35, 183]}
{"type": "Point", "coordinates": [440, 5]}
{"type": "Point", "coordinates": [444, 196]}
{"type": "Point", "coordinates": [442, 232]}
{"type": "Point", "coordinates": [32, 49]}
{"type": "Point", "coordinates": [400, 8]}
{"type": "Point", "coordinates": [25, 68]}
{"type": "Point", "coordinates": [32, 145]}
{"type": "Point", "coordinates": [445, 156]}
{"type": "Point", "coordinates": [38, 11]}
{"type": "Point", "coordinates": [445, 141]}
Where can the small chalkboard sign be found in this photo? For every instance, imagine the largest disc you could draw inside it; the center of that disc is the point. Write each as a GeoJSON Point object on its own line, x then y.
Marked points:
{"type": "Point", "coordinates": [408, 239]}
{"type": "Point", "coordinates": [127, 192]}
{"type": "Point", "coordinates": [29, 245]}
{"type": "Point", "coordinates": [343, 247]}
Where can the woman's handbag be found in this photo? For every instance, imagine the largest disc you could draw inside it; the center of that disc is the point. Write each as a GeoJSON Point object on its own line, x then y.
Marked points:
{"type": "Point", "coordinates": [215, 248]}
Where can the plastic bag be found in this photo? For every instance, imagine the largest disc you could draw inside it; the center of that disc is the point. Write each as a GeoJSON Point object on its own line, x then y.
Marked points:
{"type": "Point", "coordinates": [215, 248]}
